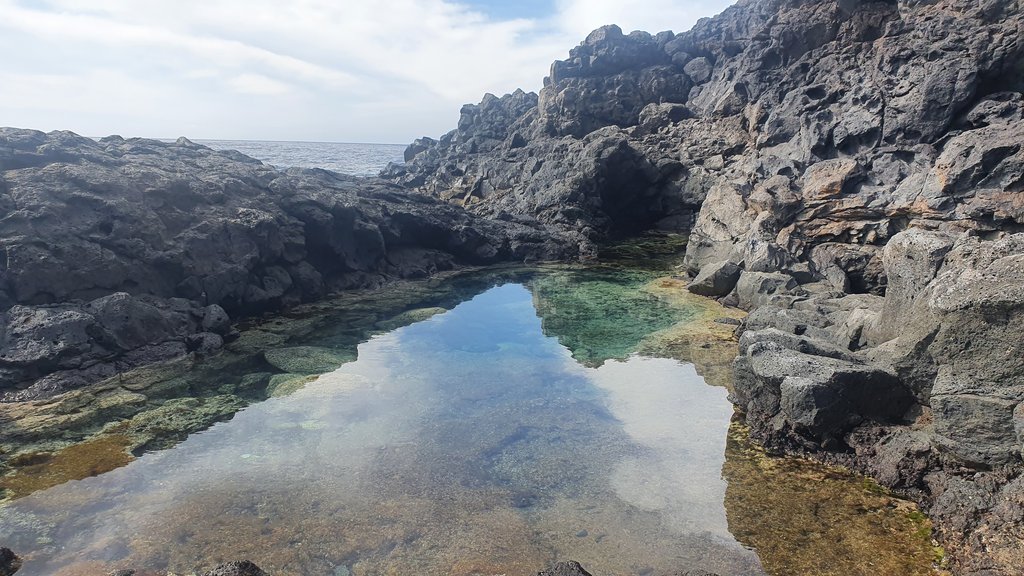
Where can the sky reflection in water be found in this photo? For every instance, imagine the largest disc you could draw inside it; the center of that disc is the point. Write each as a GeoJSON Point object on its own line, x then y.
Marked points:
{"type": "Point", "coordinates": [468, 443]}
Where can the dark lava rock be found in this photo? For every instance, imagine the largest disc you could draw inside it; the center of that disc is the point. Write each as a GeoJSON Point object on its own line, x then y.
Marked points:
{"type": "Point", "coordinates": [565, 569]}
{"type": "Point", "coordinates": [242, 568]}
{"type": "Point", "coordinates": [9, 562]}
{"type": "Point", "coordinates": [166, 242]}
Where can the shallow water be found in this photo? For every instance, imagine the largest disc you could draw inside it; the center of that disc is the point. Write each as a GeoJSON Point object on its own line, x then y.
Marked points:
{"type": "Point", "coordinates": [493, 424]}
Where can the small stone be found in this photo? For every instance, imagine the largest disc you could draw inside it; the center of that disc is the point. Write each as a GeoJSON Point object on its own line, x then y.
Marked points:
{"type": "Point", "coordinates": [9, 562]}
{"type": "Point", "coordinates": [582, 534]}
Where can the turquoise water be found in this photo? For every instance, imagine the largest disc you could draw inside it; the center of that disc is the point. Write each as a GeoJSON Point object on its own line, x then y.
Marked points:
{"type": "Point", "coordinates": [467, 443]}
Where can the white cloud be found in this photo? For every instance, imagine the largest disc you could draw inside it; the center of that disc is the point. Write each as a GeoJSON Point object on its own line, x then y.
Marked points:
{"type": "Point", "coordinates": [258, 84]}
{"type": "Point", "coordinates": [359, 70]}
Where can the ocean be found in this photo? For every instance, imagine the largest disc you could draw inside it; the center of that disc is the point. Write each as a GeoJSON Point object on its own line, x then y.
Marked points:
{"type": "Point", "coordinates": [343, 157]}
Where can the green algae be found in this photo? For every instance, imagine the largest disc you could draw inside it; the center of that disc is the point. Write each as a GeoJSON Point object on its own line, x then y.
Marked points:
{"type": "Point", "coordinates": [804, 517]}
{"type": "Point", "coordinates": [308, 359]}
{"type": "Point", "coordinates": [600, 315]}
{"type": "Point", "coordinates": [285, 384]}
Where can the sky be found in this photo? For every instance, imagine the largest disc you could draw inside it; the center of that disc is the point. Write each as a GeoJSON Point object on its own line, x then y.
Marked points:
{"type": "Point", "coordinates": [309, 70]}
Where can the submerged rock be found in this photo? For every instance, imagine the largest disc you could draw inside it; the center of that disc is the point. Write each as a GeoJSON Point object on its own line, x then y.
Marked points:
{"type": "Point", "coordinates": [285, 384]}
{"type": "Point", "coordinates": [308, 359]}
{"type": "Point", "coordinates": [238, 568]}
{"type": "Point", "coordinates": [410, 317]}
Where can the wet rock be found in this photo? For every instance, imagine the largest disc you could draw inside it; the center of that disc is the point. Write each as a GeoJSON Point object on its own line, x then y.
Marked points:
{"type": "Point", "coordinates": [410, 317]}
{"type": "Point", "coordinates": [238, 568]}
{"type": "Point", "coordinates": [284, 384]}
{"type": "Point", "coordinates": [715, 279]}
{"type": "Point", "coordinates": [308, 359]}
{"type": "Point", "coordinates": [9, 562]}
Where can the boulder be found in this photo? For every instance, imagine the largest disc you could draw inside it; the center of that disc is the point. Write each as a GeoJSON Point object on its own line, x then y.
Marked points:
{"type": "Point", "coordinates": [715, 279]}
{"type": "Point", "coordinates": [757, 288]}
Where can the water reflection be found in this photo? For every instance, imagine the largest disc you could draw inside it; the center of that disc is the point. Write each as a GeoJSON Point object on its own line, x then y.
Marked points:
{"type": "Point", "coordinates": [469, 443]}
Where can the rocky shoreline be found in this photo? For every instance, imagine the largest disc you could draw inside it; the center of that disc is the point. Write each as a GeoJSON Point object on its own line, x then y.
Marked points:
{"type": "Point", "coordinates": [120, 253]}
{"type": "Point", "coordinates": [849, 171]}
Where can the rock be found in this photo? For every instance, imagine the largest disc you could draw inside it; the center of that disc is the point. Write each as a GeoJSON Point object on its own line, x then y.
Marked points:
{"type": "Point", "coordinates": [565, 569]}
{"type": "Point", "coordinates": [284, 384]}
{"type": "Point", "coordinates": [9, 562]}
{"type": "Point", "coordinates": [204, 343]}
{"type": "Point", "coordinates": [308, 359]}
{"type": "Point", "coordinates": [757, 288]}
{"type": "Point", "coordinates": [817, 396]}
{"type": "Point", "coordinates": [715, 279]}
{"type": "Point", "coordinates": [216, 320]}
{"type": "Point", "coordinates": [165, 240]}
{"type": "Point", "coordinates": [242, 568]}
{"type": "Point", "coordinates": [410, 317]}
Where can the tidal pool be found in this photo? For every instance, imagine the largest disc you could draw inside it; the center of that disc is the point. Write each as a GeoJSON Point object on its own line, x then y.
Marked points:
{"type": "Point", "coordinates": [514, 429]}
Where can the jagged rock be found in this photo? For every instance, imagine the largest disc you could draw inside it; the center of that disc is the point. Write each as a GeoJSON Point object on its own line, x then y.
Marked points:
{"type": "Point", "coordinates": [715, 280]}
{"type": "Point", "coordinates": [757, 288]}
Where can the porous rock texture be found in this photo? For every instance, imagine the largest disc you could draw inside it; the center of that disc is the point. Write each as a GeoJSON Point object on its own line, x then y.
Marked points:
{"type": "Point", "coordinates": [115, 253]}
{"type": "Point", "coordinates": [851, 172]}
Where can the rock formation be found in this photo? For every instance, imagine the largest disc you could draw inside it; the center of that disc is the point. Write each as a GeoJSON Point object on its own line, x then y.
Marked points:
{"type": "Point", "coordinates": [120, 252]}
{"type": "Point", "coordinates": [852, 172]}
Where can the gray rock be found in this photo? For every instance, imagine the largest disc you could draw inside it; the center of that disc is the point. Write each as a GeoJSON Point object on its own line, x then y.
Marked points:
{"type": "Point", "coordinates": [216, 320]}
{"type": "Point", "coordinates": [715, 279]}
{"type": "Point", "coordinates": [757, 288]}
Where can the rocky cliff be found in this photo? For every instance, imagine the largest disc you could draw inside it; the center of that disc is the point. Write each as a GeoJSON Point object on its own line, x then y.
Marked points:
{"type": "Point", "coordinates": [852, 172]}
{"type": "Point", "coordinates": [120, 252]}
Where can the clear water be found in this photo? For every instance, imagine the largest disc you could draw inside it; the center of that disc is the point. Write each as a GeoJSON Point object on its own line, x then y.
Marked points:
{"type": "Point", "coordinates": [470, 441]}
{"type": "Point", "coordinates": [343, 157]}
{"type": "Point", "coordinates": [491, 423]}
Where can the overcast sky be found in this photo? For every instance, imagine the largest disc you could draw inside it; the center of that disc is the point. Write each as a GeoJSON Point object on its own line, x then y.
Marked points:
{"type": "Point", "coordinates": [318, 70]}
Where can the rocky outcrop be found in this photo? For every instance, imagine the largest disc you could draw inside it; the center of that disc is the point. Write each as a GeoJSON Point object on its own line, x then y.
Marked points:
{"type": "Point", "coordinates": [120, 252]}
{"type": "Point", "coordinates": [848, 170]}
{"type": "Point", "coordinates": [921, 388]}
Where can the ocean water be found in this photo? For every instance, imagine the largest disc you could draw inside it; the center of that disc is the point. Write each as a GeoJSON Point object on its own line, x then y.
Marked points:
{"type": "Point", "coordinates": [346, 158]}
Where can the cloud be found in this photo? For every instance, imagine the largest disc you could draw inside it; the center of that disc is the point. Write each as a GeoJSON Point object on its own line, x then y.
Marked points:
{"type": "Point", "coordinates": [360, 70]}
{"type": "Point", "coordinates": [258, 84]}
